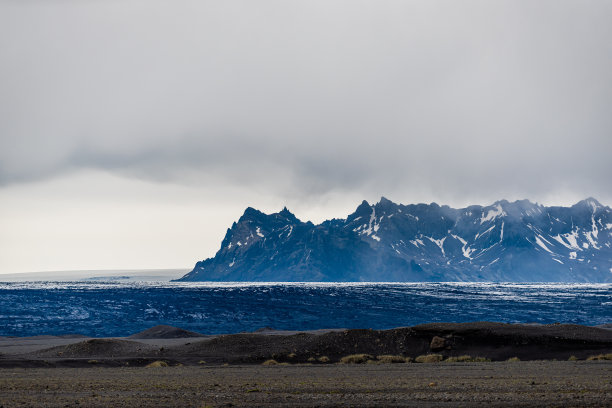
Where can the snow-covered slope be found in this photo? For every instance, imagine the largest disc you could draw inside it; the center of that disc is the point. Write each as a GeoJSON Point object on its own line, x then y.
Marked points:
{"type": "Point", "coordinates": [506, 241]}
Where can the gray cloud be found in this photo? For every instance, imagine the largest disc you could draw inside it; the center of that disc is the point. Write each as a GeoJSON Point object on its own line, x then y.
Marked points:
{"type": "Point", "coordinates": [465, 100]}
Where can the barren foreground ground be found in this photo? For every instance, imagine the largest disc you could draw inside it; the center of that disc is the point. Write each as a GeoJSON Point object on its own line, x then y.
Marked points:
{"type": "Point", "coordinates": [525, 383]}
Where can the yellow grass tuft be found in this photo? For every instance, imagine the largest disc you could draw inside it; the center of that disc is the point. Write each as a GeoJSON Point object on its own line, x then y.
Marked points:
{"type": "Point", "coordinates": [323, 359]}
{"type": "Point", "coordinates": [270, 362]}
{"type": "Point", "coordinates": [600, 357]}
{"type": "Point", "coordinates": [459, 359]}
{"type": "Point", "coordinates": [356, 359]}
{"type": "Point", "coordinates": [429, 358]}
{"type": "Point", "coordinates": [158, 363]}
{"type": "Point", "coordinates": [390, 359]}
{"type": "Point", "coordinates": [513, 359]}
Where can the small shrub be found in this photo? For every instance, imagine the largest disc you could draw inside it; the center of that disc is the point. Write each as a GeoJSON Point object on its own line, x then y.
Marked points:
{"type": "Point", "coordinates": [356, 359]}
{"type": "Point", "coordinates": [201, 362]}
{"type": "Point", "coordinates": [158, 363]}
{"type": "Point", "coordinates": [270, 362]}
{"type": "Point", "coordinates": [92, 362]}
{"type": "Point", "coordinates": [390, 359]}
{"type": "Point", "coordinates": [429, 358]}
{"type": "Point", "coordinates": [311, 359]}
{"type": "Point", "coordinates": [513, 359]}
{"type": "Point", "coordinates": [323, 359]}
{"type": "Point", "coordinates": [466, 359]}
{"type": "Point", "coordinates": [572, 358]}
{"type": "Point", "coordinates": [292, 355]}
{"type": "Point", "coordinates": [600, 357]}
{"type": "Point", "coordinates": [409, 359]}
{"type": "Point", "coordinates": [459, 359]}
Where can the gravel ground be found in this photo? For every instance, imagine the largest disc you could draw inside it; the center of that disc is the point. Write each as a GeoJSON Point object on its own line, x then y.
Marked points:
{"type": "Point", "coordinates": [525, 383]}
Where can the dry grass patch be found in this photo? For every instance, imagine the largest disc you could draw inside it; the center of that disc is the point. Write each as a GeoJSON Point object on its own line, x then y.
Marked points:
{"type": "Point", "coordinates": [429, 358]}
{"type": "Point", "coordinates": [600, 357]}
{"type": "Point", "coordinates": [323, 359]}
{"type": "Point", "coordinates": [270, 362]}
{"type": "Point", "coordinates": [356, 359]}
{"type": "Point", "coordinates": [156, 364]}
{"type": "Point", "coordinates": [390, 359]}
{"type": "Point", "coordinates": [513, 359]}
{"type": "Point", "coordinates": [572, 358]}
{"type": "Point", "coordinates": [459, 359]}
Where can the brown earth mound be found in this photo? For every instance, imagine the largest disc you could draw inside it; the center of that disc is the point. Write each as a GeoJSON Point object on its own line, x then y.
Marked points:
{"type": "Point", "coordinates": [165, 332]}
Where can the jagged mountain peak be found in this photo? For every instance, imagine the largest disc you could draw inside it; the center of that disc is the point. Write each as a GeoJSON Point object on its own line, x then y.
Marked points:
{"type": "Point", "coordinates": [590, 203]}
{"type": "Point", "coordinates": [363, 210]}
{"type": "Point", "coordinates": [288, 215]}
{"type": "Point", "coordinates": [505, 241]}
{"type": "Point", "coordinates": [251, 213]}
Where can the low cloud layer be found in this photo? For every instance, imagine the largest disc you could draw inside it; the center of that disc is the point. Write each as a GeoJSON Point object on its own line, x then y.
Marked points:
{"type": "Point", "coordinates": [461, 99]}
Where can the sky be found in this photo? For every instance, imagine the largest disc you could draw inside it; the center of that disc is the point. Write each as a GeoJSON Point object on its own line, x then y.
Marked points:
{"type": "Point", "coordinates": [133, 133]}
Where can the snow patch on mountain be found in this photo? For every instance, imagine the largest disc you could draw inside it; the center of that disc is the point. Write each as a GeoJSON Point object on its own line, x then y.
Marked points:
{"type": "Point", "coordinates": [492, 214]}
{"type": "Point", "coordinates": [539, 241]}
{"type": "Point", "coordinates": [439, 243]}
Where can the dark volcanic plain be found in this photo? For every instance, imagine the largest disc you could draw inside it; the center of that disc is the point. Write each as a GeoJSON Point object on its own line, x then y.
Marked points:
{"type": "Point", "coordinates": [167, 366]}
{"type": "Point", "coordinates": [525, 383]}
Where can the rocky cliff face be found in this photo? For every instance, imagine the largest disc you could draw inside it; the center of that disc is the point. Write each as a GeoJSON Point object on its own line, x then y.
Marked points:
{"type": "Point", "coordinates": [507, 241]}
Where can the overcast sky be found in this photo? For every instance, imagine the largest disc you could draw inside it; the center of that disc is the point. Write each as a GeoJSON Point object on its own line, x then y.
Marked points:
{"type": "Point", "coordinates": [132, 133]}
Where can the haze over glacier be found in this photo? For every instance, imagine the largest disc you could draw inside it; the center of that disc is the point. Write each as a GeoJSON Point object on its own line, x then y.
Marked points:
{"type": "Point", "coordinates": [516, 241]}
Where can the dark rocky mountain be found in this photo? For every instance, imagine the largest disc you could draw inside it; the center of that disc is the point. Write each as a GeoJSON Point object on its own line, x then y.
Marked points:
{"type": "Point", "coordinates": [508, 241]}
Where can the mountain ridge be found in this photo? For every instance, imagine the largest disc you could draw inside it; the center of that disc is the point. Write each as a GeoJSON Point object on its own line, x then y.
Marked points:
{"type": "Point", "coordinates": [516, 241]}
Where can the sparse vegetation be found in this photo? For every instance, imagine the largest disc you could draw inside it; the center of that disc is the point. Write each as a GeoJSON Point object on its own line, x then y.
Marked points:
{"type": "Point", "coordinates": [572, 358]}
{"type": "Point", "coordinates": [459, 359]}
{"type": "Point", "coordinates": [201, 362]}
{"type": "Point", "coordinates": [467, 359]}
{"type": "Point", "coordinates": [158, 363]}
{"type": "Point", "coordinates": [292, 355]}
{"type": "Point", "coordinates": [429, 358]}
{"type": "Point", "coordinates": [356, 359]}
{"type": "Point", "coordinates": [390, 359]}
{"type": "Point", "coordinates": [513, 359]}
{"type": "Point", "coordinates": [600, 357]}
{"type": "Point", "coordinates": [270, 362]}
{"type": "Point", "coordinates": [323, 359]}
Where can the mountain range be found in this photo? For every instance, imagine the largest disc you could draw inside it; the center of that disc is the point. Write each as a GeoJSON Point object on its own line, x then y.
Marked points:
{"type": "Point", "coordinates": [516, 241]}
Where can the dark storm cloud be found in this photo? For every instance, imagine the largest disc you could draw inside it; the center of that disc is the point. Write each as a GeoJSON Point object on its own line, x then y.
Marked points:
{"type": "Point", "coordinates": [460, 98]}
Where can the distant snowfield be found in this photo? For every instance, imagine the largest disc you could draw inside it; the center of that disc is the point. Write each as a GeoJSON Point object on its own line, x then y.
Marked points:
{"type": "Point", "coordinates": [127, 275]}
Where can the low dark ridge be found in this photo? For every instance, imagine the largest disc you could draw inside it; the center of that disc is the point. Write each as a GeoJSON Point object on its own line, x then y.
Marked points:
{"type": "Point", "coordinates": [165, 332]}
{"type": "Point", "coordinates": [492, 341]}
